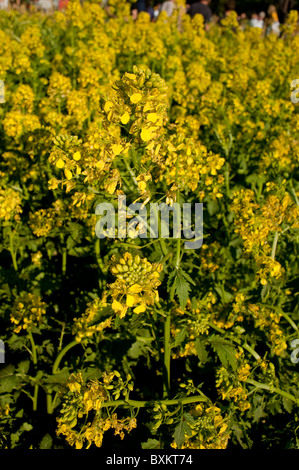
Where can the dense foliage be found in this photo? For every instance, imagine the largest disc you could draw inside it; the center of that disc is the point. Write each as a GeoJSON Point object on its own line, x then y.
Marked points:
{"type": "Point", "coordinates": [138, 341]}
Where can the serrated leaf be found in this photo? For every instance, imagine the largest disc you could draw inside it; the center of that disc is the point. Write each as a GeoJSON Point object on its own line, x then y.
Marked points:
{"type": "Point", "coordinates": [189, 418]}
{"type": "Point", "coordinates": [150, 444]}
{"type": "Point", "coordinates": [182, 289]}
{"type": "Point", "coordinates": [201, 350]}
{"type": "Point", "coordinates": [225, 351]}
{"type": "Point", "coordinates": [180, 432]}
{"type": "Point", "coordinates": [258, 413]}
{"type": "Point", "coordinates": [179, 284]}
{"type": "Point", "coordinates": [187, 277]}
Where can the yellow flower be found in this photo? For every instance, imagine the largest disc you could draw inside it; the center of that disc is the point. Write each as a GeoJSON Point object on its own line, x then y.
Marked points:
{"type": "Point", "coordinates": [77, 156]}
{"type": "Point", "coordinates": [117, 149]}
{"type": "Point", "coordinates": [68, 174]}
{"type": "Point", "coordinates": [141, 308]}
{"type": "Point", "coordinates": [146, 134]}
{"type": "Point", "coordinates": [152, 117]}
{"type": "Point", "coordinates": [125, 118]}
{"type": "Point", "coordinates": [108, 106]}
{"type": "Point", "coordinates": [135, 98]}
{"type": "Point", "coordinates": [60, 163]}
{"type": "Point", "coordinates": [131, 300]}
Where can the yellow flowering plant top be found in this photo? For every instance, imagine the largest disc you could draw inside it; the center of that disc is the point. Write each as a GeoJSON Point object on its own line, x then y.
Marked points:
{"type": "Point", "coordinates": [132, 338]}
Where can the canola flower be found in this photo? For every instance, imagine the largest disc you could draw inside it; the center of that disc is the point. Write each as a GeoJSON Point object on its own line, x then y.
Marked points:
{"type": "Point", "coordinates": [136, 284]}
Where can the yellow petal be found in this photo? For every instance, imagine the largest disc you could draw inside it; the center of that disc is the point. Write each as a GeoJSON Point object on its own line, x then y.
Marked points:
{"type": "Point", "coordinates": [100, 165]}
{"type": "Point", "coordinates": [68, 174]}
{"type": "Point", "coordinates": [117, 306]}
{"type": "Point", "coordinates": [135, 98]}
{"type": "Point", "coordinates": [146, 134]}
{"type": "Point", "coordinates": [135, 289]}
{"type": "Point", "coordinates": [108, 106]}
{"type": "Point", "coordinates": [60, 163]}
{"type": "Point", "coordinates": [131, 300]}
{"type": "Point", "coordinates": [77, 156]}
{"type": "Point", "coordinates": [125, 118]}
{"type": "Point", "coordinates": [111, 187]}
{"type": "Point", "coordinates": [116, 149]}
{"type": "Point", "coordinates": [152, 117]}
{"type": "Point", "coordinates": [141, 308]}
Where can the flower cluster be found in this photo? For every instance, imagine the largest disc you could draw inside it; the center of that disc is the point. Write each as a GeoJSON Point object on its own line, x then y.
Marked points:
{"type": "Point", "coordinates": [136, 283]}
{"type": "Point", "coordinates": [208, 429]}
{"type": "Point", "coordinates": [231, 385]}
{"type": "Point", "coordinates": [28, 311]}
{"type": "Point", "coordinates": [89, 400]}
{"type": "Point", "coordinates": [90, 322]}
{"type": "Point", "coordinates": [10, 205]}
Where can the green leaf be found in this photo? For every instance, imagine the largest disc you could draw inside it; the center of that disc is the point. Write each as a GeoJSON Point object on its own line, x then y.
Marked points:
{"type": "Point", "coordinates": [189, 418]}
{"type": "Point", "coordinates": [23, 367]}
{"type": "Point", "coordinates": [46, 442]}
{"type": "Point", "coordinates": [151, 444]}
{"type": "Point", "coordinates": [202, 353]}
{"type": "Point", "coordinates": [225, 351]}
{"type": "Point", "coordinates": [8, 380]}
{"type": "Point", "coordinates": [287, 404]}
{"type": "Point", "coordinates": [179, 283]}
{"type": "Point", "coordinates": [180, 432]}
{"type": "Point", "coordinates": [137, 349]}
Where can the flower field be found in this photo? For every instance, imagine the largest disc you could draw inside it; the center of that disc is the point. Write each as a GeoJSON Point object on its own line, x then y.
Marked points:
{"type": "Point", "coordinates": [127, 339]}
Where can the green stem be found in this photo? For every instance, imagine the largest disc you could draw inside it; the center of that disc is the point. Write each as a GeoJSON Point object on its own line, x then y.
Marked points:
{"type": "Point", "coordinates": [273, 389]}
{"type": "Point", "coordinates": [142, 404]}
{"type": "Point", "coordinates": [274, 245]}
{"type": "Point", "coordinates": [64, 258]}
{"type": "Point", "coordinates": [167, 351]}
{"type": "Point", "coordinates": [178, 254]}
{"type": "Point", "coordinates": [12, 252]}
{"type": "Point", "coordinates": [61, 354]}
{"type": "Point", "coordinates": [288, 318]}
{"type": "Point", "coordinates": [34, 359]}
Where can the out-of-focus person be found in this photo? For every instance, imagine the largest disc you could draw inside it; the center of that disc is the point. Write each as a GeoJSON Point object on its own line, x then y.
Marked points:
{"type": "Point", "coordinates": [46, 6]}
{"type": "Point", "coordinates": [168, 7]}
{"type": "Point", "coordinates": [272, 21]}
{"type": "Point", "coordinates": [4, 4]}
{"type": "Point", "coordinates": [229, 7]}
{"type": "Point", "coordinates": [138, 7]}
{"type": "Point", "coordinates": [255, 21]}
{"type": "Point", "coordinates": [201, 8]}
